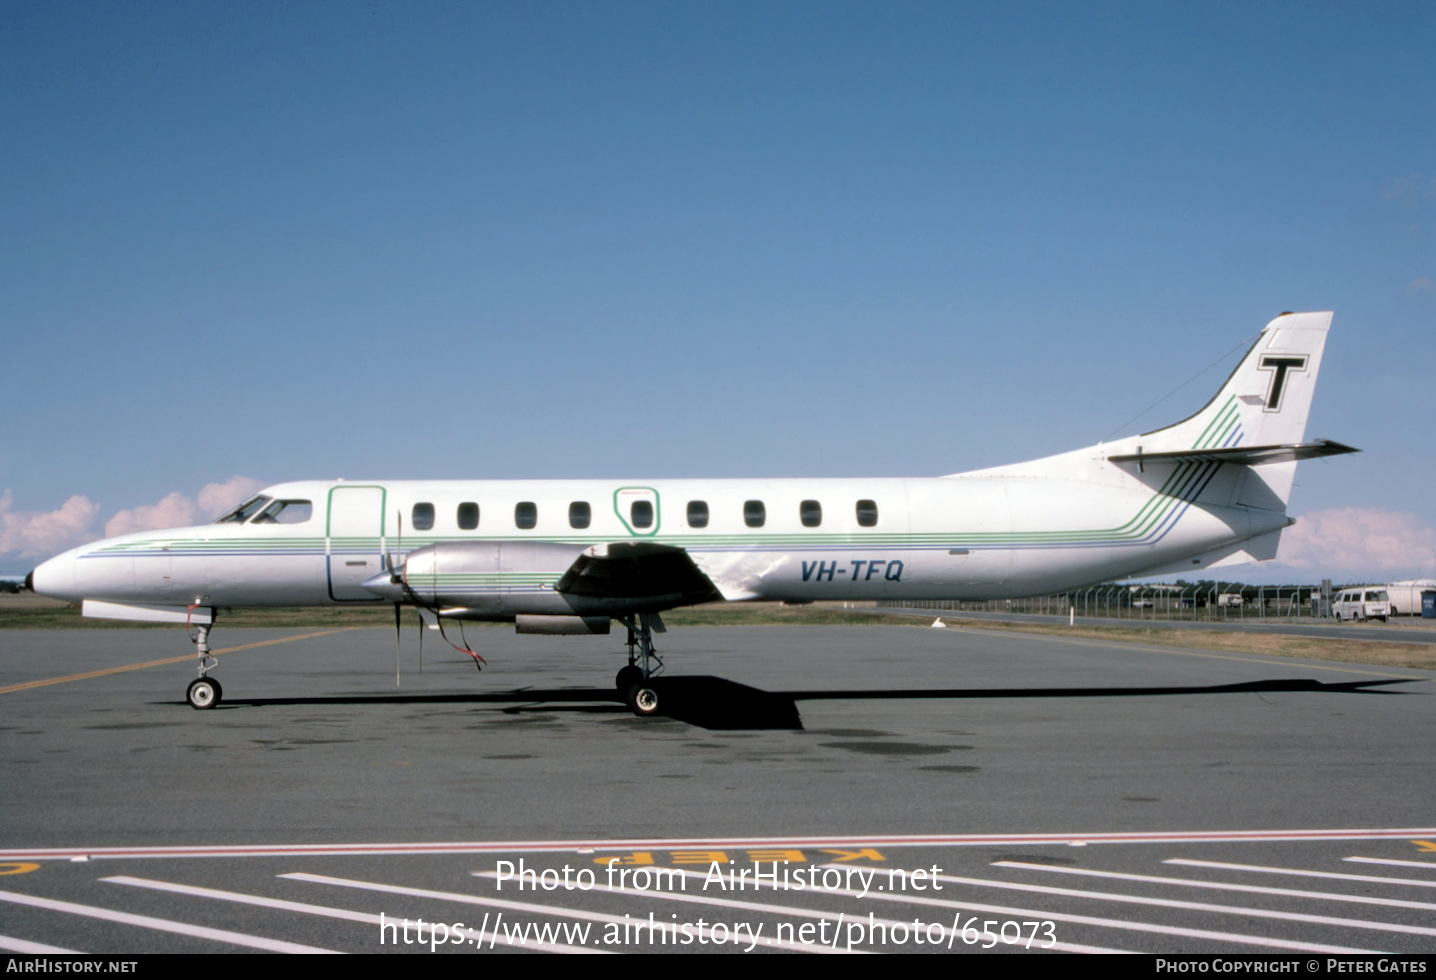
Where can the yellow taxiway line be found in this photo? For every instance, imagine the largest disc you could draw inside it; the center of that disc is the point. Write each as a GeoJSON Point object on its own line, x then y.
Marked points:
{"type": "Point", "coordinates": [157, 663]}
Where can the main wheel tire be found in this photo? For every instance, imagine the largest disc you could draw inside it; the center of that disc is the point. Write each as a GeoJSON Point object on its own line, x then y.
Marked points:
{"type": "Point", "coordinates": [643, 699]}
{"type": "Point", "coordinates": [627, 677]}
{"type": "Point", "coordinates": [204, 692]}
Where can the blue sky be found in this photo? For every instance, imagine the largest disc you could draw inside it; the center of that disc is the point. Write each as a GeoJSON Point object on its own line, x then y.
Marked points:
{"type": "Point", "coordinates": [637, 239]}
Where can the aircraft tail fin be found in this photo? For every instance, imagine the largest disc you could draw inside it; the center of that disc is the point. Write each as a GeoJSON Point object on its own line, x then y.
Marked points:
{"type": "Point", "coordinates": [1266, 400]}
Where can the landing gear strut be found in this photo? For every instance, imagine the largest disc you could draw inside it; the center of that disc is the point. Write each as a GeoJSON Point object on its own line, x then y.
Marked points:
{"type": "Point", "coordinates": [635, 681]}
{"type": "Point", "coordinates": [204, 691]}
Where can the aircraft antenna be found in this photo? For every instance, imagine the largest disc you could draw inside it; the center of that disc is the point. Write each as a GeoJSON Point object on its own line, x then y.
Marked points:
{"type": "Point", "coordinates": [1243, 345]}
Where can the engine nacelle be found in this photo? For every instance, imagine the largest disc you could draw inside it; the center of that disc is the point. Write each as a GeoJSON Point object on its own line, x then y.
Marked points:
{"type": "Point", "coordinates": [498, 580]}
{"type": "Point", "coordinates": [562, 625]}
{"type": "Point", "coordinates": [486, 578]}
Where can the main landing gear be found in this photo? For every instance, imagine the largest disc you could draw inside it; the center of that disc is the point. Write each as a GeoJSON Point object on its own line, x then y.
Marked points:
{"type": "Point", "coordinates": [204, 691]}
{"type": "Point", "coordinates": [635, 682]}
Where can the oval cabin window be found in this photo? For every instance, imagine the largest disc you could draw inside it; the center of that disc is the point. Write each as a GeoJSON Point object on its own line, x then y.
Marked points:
{"type": "Point", "coordinates": [423, 517]}
{"type": "Point", "coordinates": [525, 515]}
{"type": "Point", "coordinates": [641, 514]}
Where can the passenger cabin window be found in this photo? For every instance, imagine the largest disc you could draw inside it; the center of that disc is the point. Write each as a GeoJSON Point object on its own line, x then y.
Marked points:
{"type": "Point", "coordinates": [286, 512]}
{"type": "Point", "coordinates": [468, 516]}
{"type": "Point", "coordinates": [867, 513]}
{"type": "Point", "coordinates": [525, 515]}
{"type": "Point", "coordinates": [640, 515]}
{"type": "Point", "coordinates": [245, 510]}
{"type": "Point", "coordinates": [697, 513]}
{"type": "Point", "coordinates": [580, 515]}
{"type": "Point", "coordinates": [811, 513]}
{"type": "Point", "coordinates": [423, 517]}
{"type": "Point", "coordinates": [754, 513]}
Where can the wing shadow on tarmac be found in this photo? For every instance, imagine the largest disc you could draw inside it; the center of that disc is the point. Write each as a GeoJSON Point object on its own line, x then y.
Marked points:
{"type": "Point", "coordinates": [718, 704]}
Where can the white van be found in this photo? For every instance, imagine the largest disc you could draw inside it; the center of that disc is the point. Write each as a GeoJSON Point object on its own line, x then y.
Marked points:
{"type": "Point", "coordinates": [1362, 603]}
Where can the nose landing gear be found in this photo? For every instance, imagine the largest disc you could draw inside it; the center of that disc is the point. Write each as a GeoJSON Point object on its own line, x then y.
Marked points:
{"type": "Point", "coordinates": [204, 691]}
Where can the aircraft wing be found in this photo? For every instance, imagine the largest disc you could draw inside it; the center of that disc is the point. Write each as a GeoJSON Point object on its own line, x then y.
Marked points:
{"type": "Point", "coordinates": [636, 569]}
{"type": "Point", "coordinates": [1243, 455]}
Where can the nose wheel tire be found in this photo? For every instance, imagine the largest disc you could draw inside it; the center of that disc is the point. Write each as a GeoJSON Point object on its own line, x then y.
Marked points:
{"type": "Point", "coordinates": [204, 693]}
{"type": "Point", "coordinates": [643, 700]}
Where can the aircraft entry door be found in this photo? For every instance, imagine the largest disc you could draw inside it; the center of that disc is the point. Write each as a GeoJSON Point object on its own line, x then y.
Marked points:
{"type": "Point", "coordinates": [354, 542]}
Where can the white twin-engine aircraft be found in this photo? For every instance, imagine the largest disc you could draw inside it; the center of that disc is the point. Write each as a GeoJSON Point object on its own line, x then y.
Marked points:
{"type": "Point", "coordinates": [569, 556]}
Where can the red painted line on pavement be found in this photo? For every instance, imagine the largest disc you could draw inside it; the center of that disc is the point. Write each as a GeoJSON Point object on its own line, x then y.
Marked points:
{"type": "Point", "coordinates": [670, 844]}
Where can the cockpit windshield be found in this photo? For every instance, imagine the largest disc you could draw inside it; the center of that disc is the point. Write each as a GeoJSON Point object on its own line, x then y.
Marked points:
{"type": "Point", "coordinates": [245, 510]}
{"type": "Point", "coordinates": [285, 512]}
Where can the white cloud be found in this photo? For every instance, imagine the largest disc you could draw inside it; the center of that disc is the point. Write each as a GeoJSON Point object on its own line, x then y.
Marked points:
{"type": "Point", "coordinates": [1421, 284]}
{"type": "Point", "coordinates": [40, 535]}
{"type": "Point", "coordinates": [28, 534]}
{"type": "Point", "coordinates": [216, 498]}
{"type": "Point", "coordinates": [1352, 542]}
{"type": "Point", "coordinates": [177, 510]}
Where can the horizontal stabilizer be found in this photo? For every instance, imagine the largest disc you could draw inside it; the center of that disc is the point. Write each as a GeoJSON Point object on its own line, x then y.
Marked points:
{"type": "Point", "coordinates": [1242, 455]}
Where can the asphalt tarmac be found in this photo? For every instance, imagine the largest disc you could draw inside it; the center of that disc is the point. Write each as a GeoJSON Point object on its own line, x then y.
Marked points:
{"type": "Point", "coordinates": [1081, 768]}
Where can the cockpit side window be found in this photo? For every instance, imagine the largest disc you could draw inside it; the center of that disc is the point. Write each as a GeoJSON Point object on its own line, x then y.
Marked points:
{"type": "Point", "coordinates": [286, 512]}
{"type": "Point", "coordinates": [245, 510]}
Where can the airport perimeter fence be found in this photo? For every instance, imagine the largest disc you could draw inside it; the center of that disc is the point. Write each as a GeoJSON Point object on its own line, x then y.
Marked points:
{"type": "Point", "coordinates": [1204, 602]}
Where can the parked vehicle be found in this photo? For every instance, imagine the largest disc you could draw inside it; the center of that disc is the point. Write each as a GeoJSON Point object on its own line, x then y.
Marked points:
{"type": "Point", "coordinates": [1363, 603]}
{"type": "Point", "coordinates": [1406, 595]}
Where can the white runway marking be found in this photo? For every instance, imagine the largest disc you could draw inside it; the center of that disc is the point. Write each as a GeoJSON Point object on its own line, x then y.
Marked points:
{"type": "Point", "coordinates": [25, 946]}
{"type": "Point", "coordinates": [530, 907]}
{"type": "Point", "coordinates": [1222, 886]}
{"type": "Point", "coordinates": [1301, 873]}
{"type": "Point", "coordinates": [1427, 865]}
{"type": "Point", "coordinates": [327, 911]}
{"type": "Point", "coordinates": [163, 925]}
{"type": "Point", "coordinates": [1173, 903]}
{"type": "Point", "coordinates": [1123, 924]}
{"type": "Point", "coordinates": [791, 911]}
{"type": "Point", "coordinates": [670, 844]}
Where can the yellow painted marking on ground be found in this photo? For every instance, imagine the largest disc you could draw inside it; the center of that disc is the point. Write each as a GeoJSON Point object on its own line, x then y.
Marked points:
{"type": "Point", "coordinates": [18, 868]}
{"type": "Point", "coordinates": [158, 663]}
{"type": "Point", "coordinates": [867, 853]}
{"type": "Point", "coordinates": [637, 857]}
{"type": "Point", "coordinates": [754, 854]}
{"type": "Point", "coordinates": [1127, 644]}
{"type": "Point", "coordinates": [1425, 845]}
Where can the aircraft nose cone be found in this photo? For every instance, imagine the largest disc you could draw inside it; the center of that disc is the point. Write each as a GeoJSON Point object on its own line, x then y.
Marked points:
{"type": "Point", "coordinates": [384, 586]}
{"type": "Point", "coordinates": [55, 578]}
